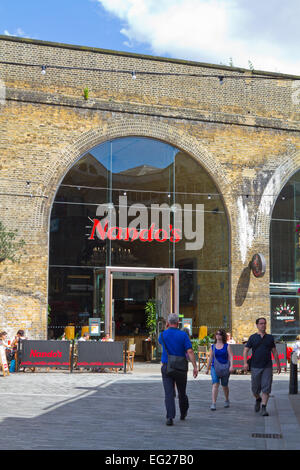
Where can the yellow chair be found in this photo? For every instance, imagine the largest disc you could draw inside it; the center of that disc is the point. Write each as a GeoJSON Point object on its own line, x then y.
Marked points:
{"type": "Point", "coordinates": [85, 329]}
{"type": "Point", "coordinates": [70, 332]}
{"type": "Point", "coordinates": [202, 331]}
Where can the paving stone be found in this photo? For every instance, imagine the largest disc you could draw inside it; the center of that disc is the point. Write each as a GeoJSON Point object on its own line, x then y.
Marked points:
{"type": "Point", "coordinates": [118, 411]}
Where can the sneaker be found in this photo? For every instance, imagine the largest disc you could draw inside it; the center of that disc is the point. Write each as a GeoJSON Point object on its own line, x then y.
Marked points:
{"type": "Point", "coordinates": [264, 411]}
{"type": "Point", "coordinates": [213, 407]}
{"type": "Point", "coordinates": [227, 404]}
{"type": "Point", "coordinates": [257, 405]}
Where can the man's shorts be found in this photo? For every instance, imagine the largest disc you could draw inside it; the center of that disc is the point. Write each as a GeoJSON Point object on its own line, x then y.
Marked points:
{"type": "Point", "coordinates": [216, 379]}
{"type": "Point", "coordinates": [261, 380]}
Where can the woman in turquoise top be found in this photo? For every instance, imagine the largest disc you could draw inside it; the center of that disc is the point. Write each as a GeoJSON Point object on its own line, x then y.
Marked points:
{"type": "Point", "coordinates": [223, 354]}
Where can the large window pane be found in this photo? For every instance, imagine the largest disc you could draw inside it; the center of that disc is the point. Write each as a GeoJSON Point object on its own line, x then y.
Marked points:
{"type": "Point", "coordinates": [285, 261]}
{"type": "Point", "coordinates": [157, 208]}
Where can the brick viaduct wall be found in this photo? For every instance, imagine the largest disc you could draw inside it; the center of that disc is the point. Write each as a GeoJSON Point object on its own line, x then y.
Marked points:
{"type": "Point", "coordinates": [244, 132]}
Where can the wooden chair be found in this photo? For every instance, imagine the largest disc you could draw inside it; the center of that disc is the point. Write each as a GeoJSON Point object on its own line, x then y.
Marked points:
{"type": "Point", "coordinates": [130, 356]}
{"type": "Point", "coordinates": [203, 356]}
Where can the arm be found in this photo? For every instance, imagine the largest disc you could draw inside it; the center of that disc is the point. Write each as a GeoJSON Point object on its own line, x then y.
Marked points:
{"type": "Point", "coordinates": [246, 350]}
{"type": "Point", "coordinates": [230, 356]}
{"type": "Point", "coordinates": [14, 342]}
{"type": "Point", "coordinates": [193, 361]}
{"type": "Point", "coordinates": [275, 354]}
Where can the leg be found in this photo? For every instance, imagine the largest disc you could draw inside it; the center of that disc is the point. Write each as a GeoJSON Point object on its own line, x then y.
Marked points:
{"type": "Point", "coordinates": [215, 390]}
{"type": "Point", "coordinates": [256, 382]}
{"type": "Point", "coordinates": [264, 399]}
{"type": "Point", "coordinates": [215, 387]}
{"type": "Point", "coordinates": [226, 393]}
{"type": "Point", "coordinates": [256, 376]}
{"type": "Point", "coordinates": [224, 382]}
{"type": "Point", "coordinates": [182, 396]}
{"type": "Point", "coordinates": [266, 386]}
{"type": "Point", "coordinates": [168, 384]}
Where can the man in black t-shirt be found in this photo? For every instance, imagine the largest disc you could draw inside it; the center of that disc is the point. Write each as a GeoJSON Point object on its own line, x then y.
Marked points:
{"type": "Point", "coordinates": [262, 345]}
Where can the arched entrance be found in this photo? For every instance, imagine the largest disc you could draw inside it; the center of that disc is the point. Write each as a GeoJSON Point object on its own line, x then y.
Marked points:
{"type": "Point", "coordinates": [140, 203]}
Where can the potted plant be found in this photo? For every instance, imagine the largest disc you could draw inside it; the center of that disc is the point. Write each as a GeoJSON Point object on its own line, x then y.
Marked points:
{"type": "Point", "coordinates": [207, 341]}
{"type": "Point", "coordinates": [151, 322]}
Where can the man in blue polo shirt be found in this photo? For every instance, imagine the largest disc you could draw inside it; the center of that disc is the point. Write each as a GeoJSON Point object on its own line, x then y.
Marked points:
{"type": "Point", "coordinates": [178, 344]}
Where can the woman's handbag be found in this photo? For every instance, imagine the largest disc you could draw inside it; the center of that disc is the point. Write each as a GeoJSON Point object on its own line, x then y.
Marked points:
{"type": "Point", "coordinates": [177, 366]}
{"type": "Point", "coordinates": [222, 370]}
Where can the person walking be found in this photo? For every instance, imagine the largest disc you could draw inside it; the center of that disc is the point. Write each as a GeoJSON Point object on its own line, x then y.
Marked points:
{"type": "Point", "coordinates": [177, 343]}
{"type": "Point", "coordinates": [262, 345]}
{"type": "Point", "coordinates": [220, 353]}
{"type": "Point", "coordinates": [296, 347]}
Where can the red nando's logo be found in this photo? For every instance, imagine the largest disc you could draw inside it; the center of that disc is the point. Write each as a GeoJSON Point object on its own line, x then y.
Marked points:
{"type": "Point", "coordinates": [35, 353]}
{"type": "Point", "coordinates": [158, 223]}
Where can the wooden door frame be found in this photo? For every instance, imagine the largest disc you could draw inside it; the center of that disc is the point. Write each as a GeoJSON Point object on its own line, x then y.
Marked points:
{"type": "Point", "coordinates": [109, 270]}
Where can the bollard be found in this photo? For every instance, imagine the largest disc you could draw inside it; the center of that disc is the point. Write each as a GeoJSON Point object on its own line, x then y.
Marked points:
{"type": "Point", "coordinates": [294, 374]}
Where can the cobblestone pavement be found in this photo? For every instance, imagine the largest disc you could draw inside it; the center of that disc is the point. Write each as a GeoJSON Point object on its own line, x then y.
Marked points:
{"type": "Point", "coordinates": [84, 410]}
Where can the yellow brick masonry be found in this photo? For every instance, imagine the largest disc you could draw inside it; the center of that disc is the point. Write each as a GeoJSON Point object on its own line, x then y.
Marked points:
{"type": "Point", "coordinates": [245, 133]}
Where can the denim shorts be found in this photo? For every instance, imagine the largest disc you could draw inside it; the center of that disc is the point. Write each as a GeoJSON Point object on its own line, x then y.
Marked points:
{"type": "Point", "coordinates": [216, 379]}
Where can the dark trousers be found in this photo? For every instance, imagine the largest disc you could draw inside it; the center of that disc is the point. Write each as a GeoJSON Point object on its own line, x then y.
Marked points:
{"type": "Point", "coordinates": [169, 388]}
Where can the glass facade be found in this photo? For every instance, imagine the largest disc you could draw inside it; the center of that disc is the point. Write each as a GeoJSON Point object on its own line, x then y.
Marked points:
{"type": "Point", "coordinates": [138, 202]}
{"type": "Point", "coordinates": [285, 261]}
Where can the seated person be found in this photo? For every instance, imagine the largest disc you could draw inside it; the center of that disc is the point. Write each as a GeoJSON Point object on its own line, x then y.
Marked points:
{"type": "Point", "coordinates": [107, 338]}
{"type": "Point", "coordinates": [85, 337]}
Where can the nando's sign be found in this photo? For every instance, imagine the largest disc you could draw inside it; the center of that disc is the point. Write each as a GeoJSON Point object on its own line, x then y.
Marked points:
{"type": "Point", "coordinates": [159, 222]}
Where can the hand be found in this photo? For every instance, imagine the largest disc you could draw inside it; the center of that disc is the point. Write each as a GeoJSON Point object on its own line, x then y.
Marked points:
{"type": "Point", "coordinates": [231, 369]}
{"type": "Point", "coordinates": [207, 371]}
{"type": "Point", "coordinates": [278, 370]}
{"type": "Point", "coordinates": [195, 372]}
{"type": "Point", "coordinates": [246, 367]}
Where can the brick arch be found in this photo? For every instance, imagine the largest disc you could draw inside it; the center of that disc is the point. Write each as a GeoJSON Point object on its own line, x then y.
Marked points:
{"type": "Point", "coordinates": [120, 127]}
{"type": "Point", "coordinates": [282, 174]}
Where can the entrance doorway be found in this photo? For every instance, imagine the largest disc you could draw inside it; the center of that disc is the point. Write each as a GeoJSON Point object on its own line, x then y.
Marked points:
{"type": "Point", "coordinates": [121, 293]}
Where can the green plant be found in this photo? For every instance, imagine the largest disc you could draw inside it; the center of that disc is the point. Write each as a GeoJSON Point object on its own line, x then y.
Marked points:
{"type": "Point", "coordinates": [206, 341]}
{"type": "Point", "coordinates": [151, 321]}
{"type": "Point", "coordinates": [9, 246]}
{"type": "Point", "coordinates": [195, 344]}
{"type": "Point", "coordinates": [86, 93]}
